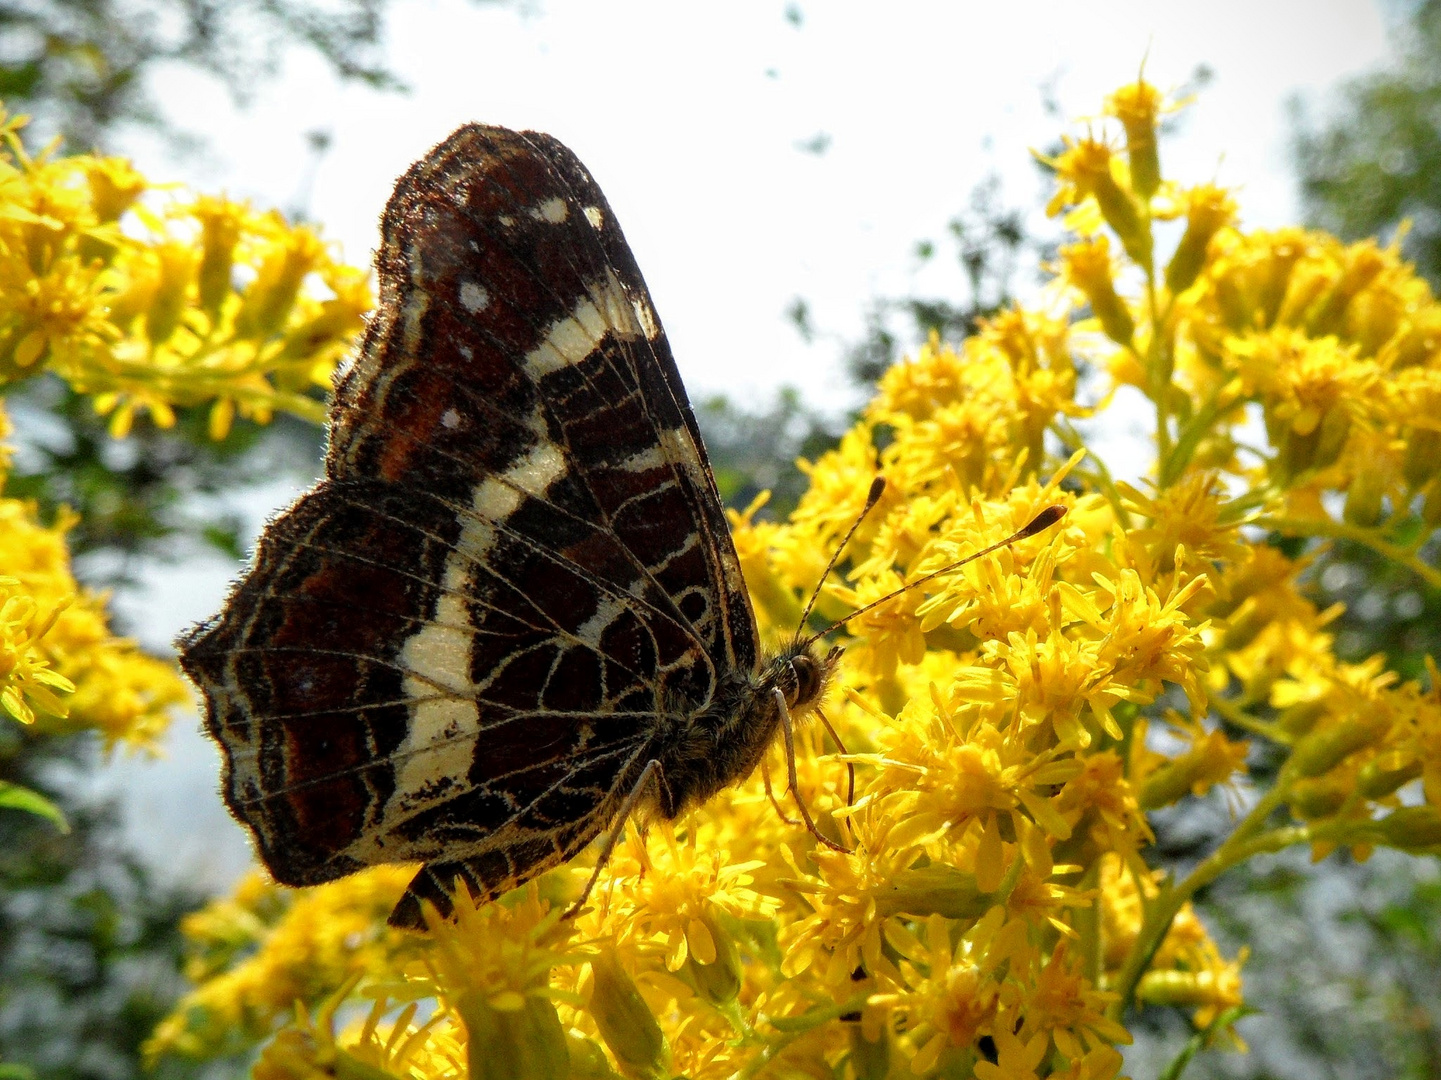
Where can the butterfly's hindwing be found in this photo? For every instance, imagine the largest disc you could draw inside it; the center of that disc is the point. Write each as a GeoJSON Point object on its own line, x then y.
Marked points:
{"type": "Point", "coordinates": [459, 648]}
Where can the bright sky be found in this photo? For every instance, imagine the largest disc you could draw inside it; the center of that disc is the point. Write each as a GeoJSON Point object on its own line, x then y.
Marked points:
{"type": "Point", "coordinates": [689, 116]}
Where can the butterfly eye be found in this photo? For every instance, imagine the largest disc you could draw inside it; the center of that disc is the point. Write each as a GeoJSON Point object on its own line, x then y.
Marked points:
{"type": "Point", "coordinates": [808, 678]}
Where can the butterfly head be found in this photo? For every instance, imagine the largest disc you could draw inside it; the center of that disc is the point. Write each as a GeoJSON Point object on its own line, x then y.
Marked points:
{"type": "Point", "coordinates": [803, 675]}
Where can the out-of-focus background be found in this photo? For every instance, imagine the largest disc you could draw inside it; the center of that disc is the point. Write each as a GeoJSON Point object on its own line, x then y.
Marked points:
{"type": "Point", "coordinates": [810, 188]}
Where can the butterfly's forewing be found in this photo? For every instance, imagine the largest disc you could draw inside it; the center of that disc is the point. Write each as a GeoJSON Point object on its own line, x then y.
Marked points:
{"type": "Point", "coordinates": [457, 648]}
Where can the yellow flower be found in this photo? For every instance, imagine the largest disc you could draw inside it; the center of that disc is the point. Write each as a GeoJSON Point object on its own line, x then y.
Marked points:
{"type": "Point", "coordinates": [675, 891]}
{"type": "Point", "coordinates": [1065, 1004]}
{"type": "Point", "coordinates": [137, 301]}
{"type": "Point", "coordinates": [257, 954]}
{"type": "Point", "coordinates": [25, 676]}
{"type": "Point", "coordinates": [1138, 106]}
{"type": "Point", "coordinates": [950, 996]}
{"type": "Point", "coordinates": [1190, 520]}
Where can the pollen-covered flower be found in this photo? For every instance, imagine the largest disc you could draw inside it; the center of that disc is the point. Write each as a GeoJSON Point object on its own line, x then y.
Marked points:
{"type": "Point", "coordinates": [673, 891]}
{"type": "Point", "coordinates": [949, 995]}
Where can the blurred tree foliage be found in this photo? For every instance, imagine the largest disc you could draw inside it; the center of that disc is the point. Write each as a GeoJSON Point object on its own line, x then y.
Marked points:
{"type": "Point", "coordinates": [90, 951]}
{"type": "Point", "coordinates": [81, 66]}
{"type": "Point", "coordinates": [1376, 159]}
{"type": "Point", "coordinates": [989, 240]}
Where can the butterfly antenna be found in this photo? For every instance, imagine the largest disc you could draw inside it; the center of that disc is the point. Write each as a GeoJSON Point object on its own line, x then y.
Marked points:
{"type": "Point", "coordinates": [878, 485]}
{"type": "Point", "coordinates": [1042, 521]}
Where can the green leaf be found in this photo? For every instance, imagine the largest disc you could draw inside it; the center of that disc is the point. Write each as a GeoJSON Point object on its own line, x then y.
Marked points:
{"type": "Point", "coordinates": [15, 797]}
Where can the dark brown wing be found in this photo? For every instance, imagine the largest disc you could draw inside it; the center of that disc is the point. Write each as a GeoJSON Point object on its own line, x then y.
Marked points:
{"type": "Point", "coordinates": [457, 648]}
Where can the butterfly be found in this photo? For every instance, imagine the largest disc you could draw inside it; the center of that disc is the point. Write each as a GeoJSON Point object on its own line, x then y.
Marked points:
{"type": "Point", "coordinates": [511, 614]}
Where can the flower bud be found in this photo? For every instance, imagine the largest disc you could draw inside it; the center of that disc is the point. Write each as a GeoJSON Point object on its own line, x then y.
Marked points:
{"type": "Point", "coordinates": [167, 303]}
{"type": "Point", "coordinates": [1416, 829]}
{"type": "Point", "coordinates": [587, 1060]}
{"type": "Point", "coordinates": [1383, 775]}
{"type": "Point", "coordinates": [1204, 987]}
{"type": "Point", "coordinates": [1211, 760]}
{"type": "Point", "coordinates": [1431, 503]}
{"type": "Point", "coordinates": [1421, 343]}
{"type": "Point", "coordinates": [937, 889]}
{"type": "Point", "coordinates": [271, 296]}
{"type": "Point", "coordinates": [1089, 164]}
{"type": "Point", "coordinates": [219, 233]}
{"type": "Point", "coordinates": [518, 1038]}
{"type": "Point", "coordinates": [1423, 456]}
{"type": "Point", "coordinates": [1364, 262]}
{"type": "Point", "coordinates": [870, 1060]}
{"type": "Point", "coordinates": [1208, 209]}
{"type": "Point", "coordinates": [1311, 799]}
{"type": "Point", "coordinates": [114, 187]}
{"type": "Point", "coordinates": [1301, 452]}
{"type": "Point", "coordinates": [1363, 498]}
{"type": "Point", "coordinates": [1088, 268]}
{"type": "Point", "coordinates": [1326, 748]}
{"type": "Point", "coordinates": [1249, 620]}
{"type": "Point", "coordinates": [295, 1054]}
{"type": "Point", "coordinates": [720, 980]}
{"type": "Point", "coordinates": [1137, 107]}
{"type": "Point", "coordinates": [1300, 718]}
{"type": "Point", "coordinates": [625, 1021]}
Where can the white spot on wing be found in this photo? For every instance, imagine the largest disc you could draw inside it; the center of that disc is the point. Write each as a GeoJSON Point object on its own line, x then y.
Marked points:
{"type": "Point", "coordinates": [473, 297]}
{"type": "Point", "coordinates": [535, 472]}
{"type": "Point", "coordinates": [450, 419]}
{"type": "Point", "coordinates": [494, 500]}
{"type": "Point", "coordinates": [652, 457]}
{"type": "Point", "coordinates": [553, 211]}
{"type": "Point", "coordinates": [614, 301]}
{"type": "Point", "coordinates": [594, 215]}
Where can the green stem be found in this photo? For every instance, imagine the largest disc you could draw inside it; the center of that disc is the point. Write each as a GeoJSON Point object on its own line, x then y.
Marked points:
{"type": "Point", "coordinates": [1104, 482]}
{"type": "Point", "coordinates": [1402, 556]}
{"type": "Point", "coordinates": [1248, 839]}
{"type": "Point", "coordinates": [793, 1027]}
{"type": "Point", "coordinates": [1159, 378]}
{"type": "Point", "coordinates": [1238, 717]}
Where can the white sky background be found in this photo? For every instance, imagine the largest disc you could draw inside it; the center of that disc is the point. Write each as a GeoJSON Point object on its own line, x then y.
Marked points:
{"type": "Point", "coordinates": [688, 116]}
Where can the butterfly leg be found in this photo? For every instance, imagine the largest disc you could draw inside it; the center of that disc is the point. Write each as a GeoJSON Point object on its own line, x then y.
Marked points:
{"type": "Point", "coordinates": [651, 772]}
{"type": "Point", "coordinates": [788, 731]}
{"type": "Point", "coordinates": [850, 765]}
{"type": "Point", "coordinates": [771, 795]}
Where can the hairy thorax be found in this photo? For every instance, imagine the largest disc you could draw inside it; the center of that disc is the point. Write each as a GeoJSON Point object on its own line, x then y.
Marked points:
{"type": "Point", "coordinates": [723, 744]}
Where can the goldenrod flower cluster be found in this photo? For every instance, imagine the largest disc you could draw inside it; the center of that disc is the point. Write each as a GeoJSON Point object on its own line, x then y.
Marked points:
{"type": "Point", "coordinates": [149, 305]}
{"type": "Point", "coordinates": [61, 670]}
{"type": "Point", "coordinates": [1011, 725]}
